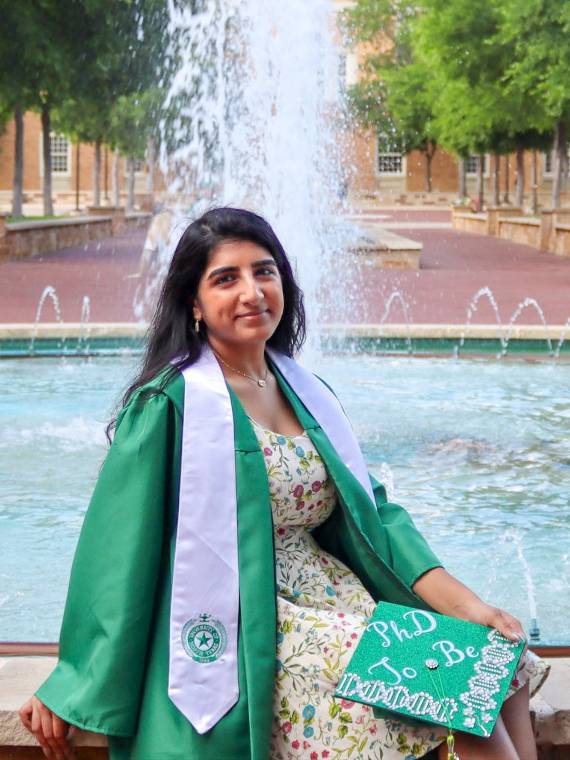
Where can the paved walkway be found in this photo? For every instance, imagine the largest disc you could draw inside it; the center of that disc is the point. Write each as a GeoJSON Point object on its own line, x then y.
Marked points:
{"type": "Point", "coordinates": [455, 265]}
{"type": "Point", "coordinates": [97, 269]}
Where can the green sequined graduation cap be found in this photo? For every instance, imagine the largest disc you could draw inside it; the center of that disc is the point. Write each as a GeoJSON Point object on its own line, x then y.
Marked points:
{"type": "Point", "coordinates": [431, 667]}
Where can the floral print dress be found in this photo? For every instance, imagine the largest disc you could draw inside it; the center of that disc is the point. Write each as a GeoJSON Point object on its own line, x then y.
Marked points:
{"type": "Point", "coordinates": [322, 609]}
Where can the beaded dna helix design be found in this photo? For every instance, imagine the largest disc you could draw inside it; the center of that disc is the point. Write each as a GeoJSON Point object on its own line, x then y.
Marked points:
{"type": "Point", "coordinates": [484, 685]}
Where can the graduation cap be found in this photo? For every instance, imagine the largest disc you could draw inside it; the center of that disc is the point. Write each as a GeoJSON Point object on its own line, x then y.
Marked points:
{"type": "Point", "coordinates": [431, 667]}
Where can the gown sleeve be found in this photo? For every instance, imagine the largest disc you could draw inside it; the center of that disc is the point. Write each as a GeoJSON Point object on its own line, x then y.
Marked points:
{"type": "Point", "coordinates": [405, 549]}
{"type": "Point", "coordinates": [108, 614]}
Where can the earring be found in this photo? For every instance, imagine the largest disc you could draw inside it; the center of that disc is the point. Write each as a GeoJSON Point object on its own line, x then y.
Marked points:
{"type": "Point", "coordinates": [197, 326]}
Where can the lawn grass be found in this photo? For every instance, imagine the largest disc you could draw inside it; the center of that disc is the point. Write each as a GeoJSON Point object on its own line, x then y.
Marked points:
{"type": "Point", "coordinates": [15, 219]}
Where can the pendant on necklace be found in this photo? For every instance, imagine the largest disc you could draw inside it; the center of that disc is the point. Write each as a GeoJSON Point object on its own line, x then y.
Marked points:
{"type": "Point", "coordinates": [261, 383]}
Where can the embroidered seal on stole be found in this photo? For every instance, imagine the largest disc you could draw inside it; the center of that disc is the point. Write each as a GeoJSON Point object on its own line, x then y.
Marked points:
{"type": "Point", "coordinates": [204, 638]}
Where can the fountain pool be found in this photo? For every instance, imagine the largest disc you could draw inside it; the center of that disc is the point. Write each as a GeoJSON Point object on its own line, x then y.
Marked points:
{"type": "Point", "coordinates": [477, 451]}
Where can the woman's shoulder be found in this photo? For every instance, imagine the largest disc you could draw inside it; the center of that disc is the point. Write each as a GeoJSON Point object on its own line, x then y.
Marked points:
{"type": "Point", "coordinates": [160, 394]}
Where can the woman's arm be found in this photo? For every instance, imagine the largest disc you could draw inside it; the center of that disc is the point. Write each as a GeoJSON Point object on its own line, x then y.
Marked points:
{"type": "Point", "coordinates": [447, 595]}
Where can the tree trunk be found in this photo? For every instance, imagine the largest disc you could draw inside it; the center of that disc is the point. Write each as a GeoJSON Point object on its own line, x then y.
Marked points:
{"type": "Point", "coordinates": [534, 184]}
{"type": "Point", "coordinates": [462, 179]}
{"type": "Point", "coordinates": [506, 198]}
{"type": "Point", "coordinates": [150, 162]}
{"type": "Point", "coordinates": [46, 144]}
{"type": "Point", "coordinates": [480, 181]}
{"type": "Point", "coordinates": [520, 178]}
{"type": "Point", "coordinates": [116, 178]}
{"type": "Point", "coordinates": [429, 154]}
{"type": "Point", "coordinates": [497, 181]}
{"type": "Point", "coordinates": [559, 162]}
{"type": "Point", "coordinates": [77, 173]}
{"type": "Point", "coordinates": [97, 174]}
{"type": "Point", "coordinates": [130, 184]}
{"type": "Point", "coordinates": [106, 174]}
{"type": "Point", "coordinates": [18, 185]}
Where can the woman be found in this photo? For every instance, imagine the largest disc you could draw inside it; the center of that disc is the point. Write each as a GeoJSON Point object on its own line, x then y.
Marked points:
{"type": "Point", "coordinates": [234, 518]}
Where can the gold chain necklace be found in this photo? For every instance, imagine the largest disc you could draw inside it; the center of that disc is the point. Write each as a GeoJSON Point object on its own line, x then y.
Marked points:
{"type": "Point", "coordinates": [261, 381]}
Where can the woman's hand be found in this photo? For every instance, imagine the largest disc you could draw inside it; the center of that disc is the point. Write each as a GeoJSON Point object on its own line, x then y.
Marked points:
{"type": "Point", "coordinates": [50, 730]}
{"type": "Point", "coordinates": [447, 595]}
{"type": "Point", "coordinates": [484, 614]}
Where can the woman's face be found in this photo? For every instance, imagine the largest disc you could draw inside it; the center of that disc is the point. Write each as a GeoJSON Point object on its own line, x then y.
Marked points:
{"type": "Point", "coordinates": [240, 295]}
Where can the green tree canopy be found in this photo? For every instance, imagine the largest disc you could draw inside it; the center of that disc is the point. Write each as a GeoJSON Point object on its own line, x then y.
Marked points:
{"type": "Point", "coordinates": [393, 95]}
{"type": "Point", "coordinates": [538, 32]}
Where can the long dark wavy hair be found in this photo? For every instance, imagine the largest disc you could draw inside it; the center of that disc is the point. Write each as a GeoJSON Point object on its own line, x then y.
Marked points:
{"type": "Point", "coordinates": [172, 340]}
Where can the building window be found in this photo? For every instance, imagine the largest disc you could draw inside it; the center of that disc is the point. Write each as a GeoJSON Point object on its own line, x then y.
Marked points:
{"type": "Point", "coordinates": [139, 165]}
{"type": "Point", "coordinates": [472, 165]}
{"type": "Point", "coordinates": [547, 163]}
{"type": "Point", "coordinates": [390, 158]}
{"type": "Point", "coordinates": [60, 150]}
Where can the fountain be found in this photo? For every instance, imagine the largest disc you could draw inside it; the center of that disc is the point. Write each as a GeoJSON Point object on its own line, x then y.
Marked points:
{"type": "Point", "coordinates": [259, 109]}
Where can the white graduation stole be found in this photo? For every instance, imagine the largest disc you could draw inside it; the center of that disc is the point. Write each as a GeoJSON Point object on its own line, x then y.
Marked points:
{"type": "Point", "coordinates": [203, 680]}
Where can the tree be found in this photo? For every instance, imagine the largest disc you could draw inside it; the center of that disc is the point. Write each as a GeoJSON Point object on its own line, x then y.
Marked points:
{"type": "Point", "coordinates": [127, 53]}
{"type": "Point", "coordinates": [461, 41]}
{"type": "Point", "coordinates": [393, 95]}
{"type": "Point", "coordinates": [42, 49]}
{"type": "Point", "coordinates": [133, 124]}
{"type": "Point", "coordinates": [538, 32]}
{"type": "Point", "coordinates": [15, 93]}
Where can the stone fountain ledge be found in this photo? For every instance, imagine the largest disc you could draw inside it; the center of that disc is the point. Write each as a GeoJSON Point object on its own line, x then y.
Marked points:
{"type": "Point", "coordinates": [452, 331]}
{"type": "Point", "coordinates": [44, 330]}
{"type": "Point", "coordinates": [23, 330]}
{"type": "Point", "coordinates": [21, 676]}
{"type": "Point", "coordinates": [383, 249]}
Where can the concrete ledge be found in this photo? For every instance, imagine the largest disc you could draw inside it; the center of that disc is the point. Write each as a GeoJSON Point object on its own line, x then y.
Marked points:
{"type": "Point", "coordinates": [21, 676]}
{"type": "Point", "coordinates": [42, 224]}
{"type": "Point", "coordinates": [59, 330]}
{"type": "Point", "coordinates": [551, 706]}
{"type": "Point", "coordinates": [523, 230]}
{"type": "Point", "coordinates": [534, 221]}
{"type": "Point", "coordinates": [561, 243]}
{"type": "Point", "coordinates": [393, 330]}
{"type": "Point", "coordinates": [477, 224]}
{"type": "Point", "coordinates": [25, 330]}
{"type": "Point", "coordinates": [383, 249]}
{"type": "Point", "coordinates": [548, 232]}
{"type": "Point", "coordinates": [28, 239]}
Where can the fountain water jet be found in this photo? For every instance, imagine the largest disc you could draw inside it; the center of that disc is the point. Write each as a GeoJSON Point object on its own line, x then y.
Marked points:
{"type": "Point", "coordinates": [515, 537]}
{"type": "Point", "coordinates": [258, 106]}
{"type": "Point", "coordinates": [472, 308]}
{"type": "Point", "coordinates": [397, 295]}
{"type": "Point", "coordinates": [516, 314]}
{"type": "Point", "coordinates": [83, 339]}
{"type": "Point", "coordinates": [48, 292]}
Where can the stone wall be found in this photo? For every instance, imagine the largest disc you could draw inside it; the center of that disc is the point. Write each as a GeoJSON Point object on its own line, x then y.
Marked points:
{"type": "Point", "coordinates": [466, 222]}
{"type": "Point", "coordinates": [549, 232]}
{"type": "Point", "coordinates": [29, 239]}
{"type": "Point", "coordinates": [523, 230]}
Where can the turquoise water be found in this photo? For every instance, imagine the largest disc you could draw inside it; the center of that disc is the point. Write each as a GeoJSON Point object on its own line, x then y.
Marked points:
{"type": "Point", "coordinates": [478, 451]}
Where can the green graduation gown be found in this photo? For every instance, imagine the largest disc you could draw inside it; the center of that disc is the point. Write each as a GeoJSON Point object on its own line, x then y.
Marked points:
{"type": "Point", "coordinates": [112, 673]}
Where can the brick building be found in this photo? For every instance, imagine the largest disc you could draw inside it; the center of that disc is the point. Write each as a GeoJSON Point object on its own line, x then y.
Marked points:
{"type": "Point", "coordinates": [72, 167]}
{"type": "Point", "coordinates": [377, 171]}
{"type": "Point", "coordinates": [380, 171]}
